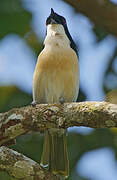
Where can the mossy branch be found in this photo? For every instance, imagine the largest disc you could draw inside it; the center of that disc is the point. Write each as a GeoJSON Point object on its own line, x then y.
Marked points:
{"type": "Point", "coordinates": [21, 167]}
{"type": "Point", "coordinates": [22, 120]}
{"type": "Point", "coordinates": [43, 116]}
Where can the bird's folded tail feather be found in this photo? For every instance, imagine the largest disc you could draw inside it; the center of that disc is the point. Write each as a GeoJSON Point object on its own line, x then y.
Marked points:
{"type": "Point", "coordinates": [55, 155]}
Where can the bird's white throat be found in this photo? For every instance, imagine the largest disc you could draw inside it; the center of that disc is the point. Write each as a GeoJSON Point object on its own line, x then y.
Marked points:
{"type": "Point", "coordinates": [56, 34]}
{"type": "Point", "coordinates": [52, 29]}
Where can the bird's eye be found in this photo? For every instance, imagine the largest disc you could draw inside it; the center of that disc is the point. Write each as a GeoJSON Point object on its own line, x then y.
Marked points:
{"type": "Point", "coordinates": [64, 21]}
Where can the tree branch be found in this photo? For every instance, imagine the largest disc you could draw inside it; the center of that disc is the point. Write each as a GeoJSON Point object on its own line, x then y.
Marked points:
{"type": "Point", "coordinates": [102, 13]}
{"type": "Point", "coordinates": [43, 116]}
{"type": "Point", "coordinates": [21, 167]}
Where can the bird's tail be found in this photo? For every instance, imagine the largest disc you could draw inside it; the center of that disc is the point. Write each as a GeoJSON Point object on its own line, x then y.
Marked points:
{"type": "Point", "coordinates": [55, 155]}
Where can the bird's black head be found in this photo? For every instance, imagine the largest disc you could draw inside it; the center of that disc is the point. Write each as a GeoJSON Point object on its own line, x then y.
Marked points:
{"type": "Point", "coordinates": [55, 18]}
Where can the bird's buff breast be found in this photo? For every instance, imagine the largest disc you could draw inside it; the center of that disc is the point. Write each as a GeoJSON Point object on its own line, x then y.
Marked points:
{"type": "Point", "coordinates": [56, 76]}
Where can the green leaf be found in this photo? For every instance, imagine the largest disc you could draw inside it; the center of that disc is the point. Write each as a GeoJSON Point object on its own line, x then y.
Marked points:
{"type": "Point", "coordinates": [13, 18]}
{"type": "Point", "coordinates": [100, 33]}
{"type": "Point", "coordinates": [11, 97]}
{"type": "Point", "coordinates": [5, 176]}
{"type": "Point", "coordinates": [30, 145]}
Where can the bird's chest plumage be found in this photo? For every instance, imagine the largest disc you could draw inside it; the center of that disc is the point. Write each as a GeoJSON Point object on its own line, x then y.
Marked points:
{"type": "Point", "coordinates": [56, 75]}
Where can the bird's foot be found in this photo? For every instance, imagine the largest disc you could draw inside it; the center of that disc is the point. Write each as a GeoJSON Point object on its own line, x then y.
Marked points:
{"type": "Point", "coordinates": [61, 100]}
{"type": "Point", "coordinates": [33, 103]}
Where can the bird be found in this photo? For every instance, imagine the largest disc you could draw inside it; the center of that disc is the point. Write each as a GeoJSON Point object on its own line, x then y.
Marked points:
{"type": "Point", "coordinates": [56, 80]}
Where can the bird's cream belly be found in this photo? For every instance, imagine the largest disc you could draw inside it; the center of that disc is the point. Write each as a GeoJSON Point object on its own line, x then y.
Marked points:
{"type": "Point", "coordinates": [55, 78]}
{"type": "Point", "coordinates": [53, 87]}
{"type": "Point", "coordinates": [60, 88]}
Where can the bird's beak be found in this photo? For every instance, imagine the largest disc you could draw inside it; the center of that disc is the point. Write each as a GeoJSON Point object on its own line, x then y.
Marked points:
{"type": "Point", "coordinates": [53, 21]}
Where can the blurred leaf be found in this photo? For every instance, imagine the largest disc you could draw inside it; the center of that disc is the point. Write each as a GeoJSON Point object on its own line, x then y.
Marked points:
{"type": "Point", "coordinates": [111, 96]}
{"type": "Point", "coordinates": [75, 176]}
{"type": "Point", "coordinates": [110, 74]}
{"type": "Point", "coordinates": [30, 145]}
{"type": "Point", "coordinates": [81, 96]}
{"type": "Point", "coordinates": [5, 176]}
{"type": "Point", "coordinates": [100, 34]}
{"type": "Point", "coordinates": [33, 41]}
{"type": "Point", "coordinates": [13, 18]}
{"type": "Point", "coordinates": [11, 96]}
{"type": "Point", "coordinates": [110, 65]}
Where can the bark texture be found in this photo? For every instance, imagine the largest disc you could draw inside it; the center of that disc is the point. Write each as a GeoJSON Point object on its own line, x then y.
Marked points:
{"type": "Point", "coordinates": [21, 167]}
{"type": "Point", "coordinates": [43, 116]}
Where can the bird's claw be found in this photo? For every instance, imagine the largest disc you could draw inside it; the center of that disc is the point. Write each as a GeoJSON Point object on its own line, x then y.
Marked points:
{"type": "Point", "coordinates": [33, 103]}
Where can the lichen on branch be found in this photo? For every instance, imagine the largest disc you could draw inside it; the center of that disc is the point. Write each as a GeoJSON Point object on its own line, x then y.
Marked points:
{"type": "Point", "coordinates": [21, 167]}
{"type": "Point", "coordinates": [19, 121]}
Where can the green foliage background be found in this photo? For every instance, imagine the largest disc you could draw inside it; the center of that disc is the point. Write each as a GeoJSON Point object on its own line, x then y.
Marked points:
{"type": "Point", "coordinates": [15, 19]}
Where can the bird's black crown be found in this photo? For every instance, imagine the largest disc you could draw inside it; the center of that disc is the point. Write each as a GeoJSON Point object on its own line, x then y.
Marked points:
{"type": "Point", "coordinates": [55, 18]}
